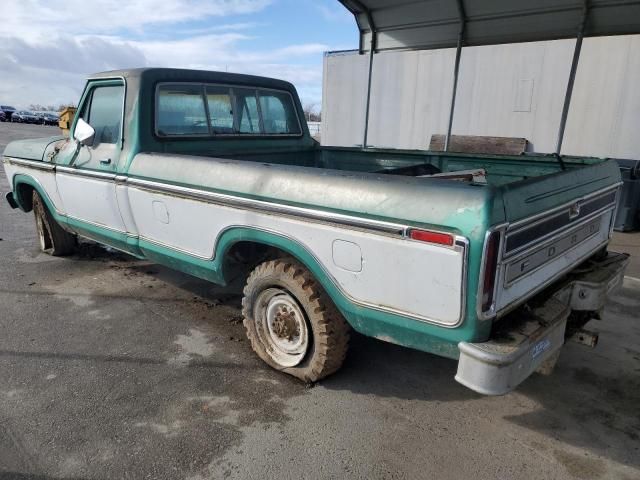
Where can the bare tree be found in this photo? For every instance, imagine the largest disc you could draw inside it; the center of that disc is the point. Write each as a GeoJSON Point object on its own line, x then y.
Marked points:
{"type": "Point", "coordinates": [310, 112]}
{"type": "Point", "coordinates": [62, 106]}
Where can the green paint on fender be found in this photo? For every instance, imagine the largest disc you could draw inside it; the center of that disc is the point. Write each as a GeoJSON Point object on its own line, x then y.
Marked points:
{"type": "Point", "coordinates": [117, 240]}
{"type": "Point", "coordinates": [368, 321]}
{"type": "Point", "coordinates": [384, 326]}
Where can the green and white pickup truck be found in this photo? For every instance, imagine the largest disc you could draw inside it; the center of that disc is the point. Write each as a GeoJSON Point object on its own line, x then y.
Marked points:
{"type": "Point", "coordinates": [490, 260]}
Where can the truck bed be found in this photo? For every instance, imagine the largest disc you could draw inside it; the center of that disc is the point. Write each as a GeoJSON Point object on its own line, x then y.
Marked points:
{"type": "Point", "coordinates": [518, 191]}
{"type": "Point", "coordinates": [500, 169]}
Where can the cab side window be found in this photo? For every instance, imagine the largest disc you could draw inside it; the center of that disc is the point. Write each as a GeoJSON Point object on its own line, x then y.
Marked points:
{"type": "Point", "coordinates": [103, 112]}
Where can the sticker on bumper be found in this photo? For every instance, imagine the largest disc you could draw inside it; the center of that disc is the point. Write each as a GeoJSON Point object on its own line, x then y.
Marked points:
{"type": "Point", "coordinates": [540, 347]}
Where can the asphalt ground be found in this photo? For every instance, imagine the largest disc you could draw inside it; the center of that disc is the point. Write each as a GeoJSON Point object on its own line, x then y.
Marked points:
{"type": "Point", "coordinates": [111, 368]}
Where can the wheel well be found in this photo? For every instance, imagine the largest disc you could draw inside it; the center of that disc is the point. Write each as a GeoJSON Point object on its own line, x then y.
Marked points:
{"type": "Point", "coordinates": [24, 194]}
{"type": "Point", "coordinates": [244, 256]}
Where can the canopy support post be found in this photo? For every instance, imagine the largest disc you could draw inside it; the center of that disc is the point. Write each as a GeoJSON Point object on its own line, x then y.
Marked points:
{"type": "Point", "coordinates": [572, 77]}
{"type": "Point", "coordinates": [372, 49]}
{"type": "Point", "coordinates": [368, 101]}
{"type": "Point", "coordinates": [456, 70]}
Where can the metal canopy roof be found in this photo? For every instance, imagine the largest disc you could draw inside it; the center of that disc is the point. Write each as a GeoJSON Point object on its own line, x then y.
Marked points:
{"type": "Point", "coordinates": [429, 24]}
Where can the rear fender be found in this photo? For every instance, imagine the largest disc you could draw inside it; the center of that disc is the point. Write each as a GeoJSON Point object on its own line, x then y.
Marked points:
{"type": "Point", "coordinates": [375, 323]}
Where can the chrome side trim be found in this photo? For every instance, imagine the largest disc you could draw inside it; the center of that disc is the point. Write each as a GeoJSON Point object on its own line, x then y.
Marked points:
{"type": "Point", "coordinates": [100, 225]}
{"type": "Point", "coordinates": [461, 244]}
{"type": "Point", "coordinates": [269, 207]}
{"type": "Point", "coordinates": [378, 226]}
{"type": "Point", "coordinates": [35, 164]}
{"type": "Point", "coordinates": [492, 311]}
{"type": "Point", "coordinates": [178, 249]}
{"type": "Point", "coordinates": [615, 212]}
{"type": "Point", "coordinates": [81, 172]}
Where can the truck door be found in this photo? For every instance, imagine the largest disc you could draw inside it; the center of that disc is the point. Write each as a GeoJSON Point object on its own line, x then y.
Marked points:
{"type": "Point", "coordinates": [87, 183]}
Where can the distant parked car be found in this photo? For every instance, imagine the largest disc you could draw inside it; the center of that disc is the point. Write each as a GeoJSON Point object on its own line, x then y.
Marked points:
{"type": "Point", "coordinates": [46, 118]}
{"type": "Point", "coordinates": [50, 119]}
{"type": "Point", "coordinates": [24, 116]}
{"type": "Point", "coordinates": [8, 111]}
{"type": "Point", "coordinates": [3, 116]}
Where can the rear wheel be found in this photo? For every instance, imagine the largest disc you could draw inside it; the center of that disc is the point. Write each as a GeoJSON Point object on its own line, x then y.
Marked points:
{"type": "Point", "coordinates": [292, 323]}
{"type": "Point", "coordinates": [54, 240]}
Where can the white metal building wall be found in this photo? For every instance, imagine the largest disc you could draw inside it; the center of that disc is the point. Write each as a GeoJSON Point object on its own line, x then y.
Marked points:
{"type": "Point", "coordinates": [512, 90]}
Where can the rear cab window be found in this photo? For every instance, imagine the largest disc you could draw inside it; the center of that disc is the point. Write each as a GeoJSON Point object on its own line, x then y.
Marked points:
{"type": "Point", "coordinates": [181, 110]}
{"type": "Point", "coordinates": [276, 116]}
{"type": "Point", "coordinates": [220, 109]}
{"type": "Point", "coordinates": [209, 110]}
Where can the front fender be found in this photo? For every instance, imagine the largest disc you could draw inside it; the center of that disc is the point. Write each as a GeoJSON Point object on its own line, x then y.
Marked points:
{"type": "Point", "coordinates": [23, 185]}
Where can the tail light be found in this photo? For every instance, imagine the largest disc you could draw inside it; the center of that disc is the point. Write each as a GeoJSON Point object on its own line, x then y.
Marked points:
{"type": "Point", "coordinates": [489, 272]}
{"type": "Point", "coordinates": [431, 237]}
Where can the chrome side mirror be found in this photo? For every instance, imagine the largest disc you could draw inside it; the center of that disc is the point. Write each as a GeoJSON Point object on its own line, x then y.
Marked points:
{"type": "Point", "coordinates": [84, 133]}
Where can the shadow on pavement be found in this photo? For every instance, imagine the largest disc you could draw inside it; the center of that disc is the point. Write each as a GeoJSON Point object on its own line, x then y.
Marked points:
{"type": "Point", "coordinates": [193, 363]}
{"type": "Point", "coordinates": [386, 370]}
{"type": "Point", "coordinates": [32, 476]}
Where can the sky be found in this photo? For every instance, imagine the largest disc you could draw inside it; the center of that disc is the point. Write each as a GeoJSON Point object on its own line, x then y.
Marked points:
{"type": "Point", "coordinates": [49, 47]}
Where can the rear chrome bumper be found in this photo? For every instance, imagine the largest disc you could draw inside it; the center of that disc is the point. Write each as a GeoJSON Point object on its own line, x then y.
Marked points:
{"type": "Point", "coordinates": [533, 336]}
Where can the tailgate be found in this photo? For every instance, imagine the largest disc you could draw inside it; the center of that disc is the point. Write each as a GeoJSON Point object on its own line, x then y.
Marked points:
{"type": "Point", "coordinates": [554, 222]}
{"type": "Point", "coordinates": [527, 198]}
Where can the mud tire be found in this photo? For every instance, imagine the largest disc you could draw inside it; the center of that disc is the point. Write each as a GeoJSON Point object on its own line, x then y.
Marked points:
{"type": "Point", "coordinates": [53, 239]}
{"type": "Point", "coordinates": [327, 329]}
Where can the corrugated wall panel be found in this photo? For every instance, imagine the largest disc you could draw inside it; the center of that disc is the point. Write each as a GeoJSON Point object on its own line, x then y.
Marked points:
{"type": "Point", "coordinates": [504, 90]}
{"type": "Point", "coordinates": [343, 98]}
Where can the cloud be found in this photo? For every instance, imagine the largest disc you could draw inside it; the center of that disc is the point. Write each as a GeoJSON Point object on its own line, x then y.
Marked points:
{"type": "Point", "coordinates": [333, 12]}
{"type": "Point", "coordinates": [39, 17]}
{"type": "Point", "coordinates": [71, 55]}
{"type": "Point", "coordinates": [46, 52]}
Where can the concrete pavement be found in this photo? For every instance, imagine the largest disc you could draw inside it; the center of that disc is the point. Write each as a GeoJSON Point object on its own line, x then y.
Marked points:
{"type": "Point", "coordinates": [112, 367]}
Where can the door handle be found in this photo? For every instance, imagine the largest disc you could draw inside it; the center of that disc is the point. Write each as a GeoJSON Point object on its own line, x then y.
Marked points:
{"type": "Point", "coordinates": [105, 161]}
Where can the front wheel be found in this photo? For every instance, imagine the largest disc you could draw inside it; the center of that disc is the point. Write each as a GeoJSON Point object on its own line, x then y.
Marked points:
{"type": "Point", "coordinates": [54, 240]}
{"type": "Point", "coordinates": [292, 323]}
